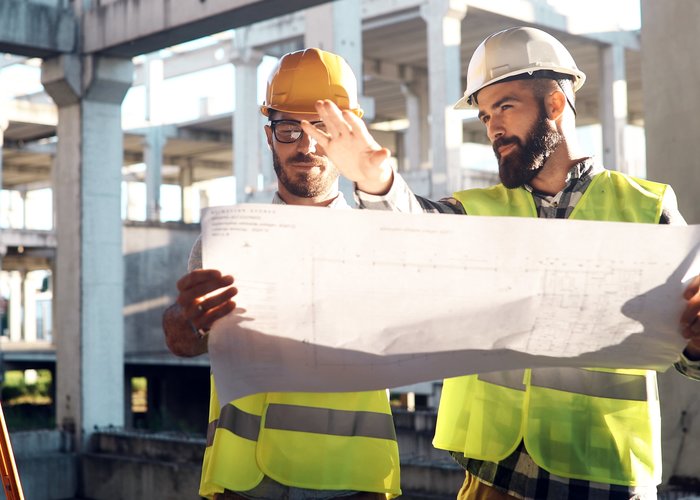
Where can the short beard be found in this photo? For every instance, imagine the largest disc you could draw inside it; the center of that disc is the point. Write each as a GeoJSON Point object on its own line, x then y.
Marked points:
{"type": "Point", "coordinates": [304, 184]}
{"type": "Point", "coordinates": [525, 161]}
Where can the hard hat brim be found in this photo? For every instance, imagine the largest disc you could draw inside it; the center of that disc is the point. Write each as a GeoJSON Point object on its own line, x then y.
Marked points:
{"type": "Point", "coordinates": [463, 103]}
{"type": "Point", "coordinates": [467, 101]}
{"type": "Point", "coordinates": [266, 110]}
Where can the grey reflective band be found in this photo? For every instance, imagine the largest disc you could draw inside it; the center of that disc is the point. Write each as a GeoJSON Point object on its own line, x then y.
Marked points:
{"type": "Point", "coordinates": [237, 421]}
{"type": "Point", "coordinates": [211, 430]}
{"type": "Point", "coordinates": [331, 422]}
{"type": "Point", "coordinates": [592, 383]}
{"type": "Point", "coordinates": [513, 379]}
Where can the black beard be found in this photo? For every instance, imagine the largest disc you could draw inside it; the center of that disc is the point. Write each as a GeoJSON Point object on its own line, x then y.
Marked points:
{"type": "Point", "coordinates": [303, 184]}
{"type": "Point", "coordinates": [525, 161]}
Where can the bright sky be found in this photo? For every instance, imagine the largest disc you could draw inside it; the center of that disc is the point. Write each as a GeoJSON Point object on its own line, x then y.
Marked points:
{"type": "Point", "coordinates": [607, 15]}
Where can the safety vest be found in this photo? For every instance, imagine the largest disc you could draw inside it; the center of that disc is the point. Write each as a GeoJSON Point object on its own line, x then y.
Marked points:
{"type": "Point", "coordinates": [600, 425]}
{"type": "Point", "coordinates": [328, 441]}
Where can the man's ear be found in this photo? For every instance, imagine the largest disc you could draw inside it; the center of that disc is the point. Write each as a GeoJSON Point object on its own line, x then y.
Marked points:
{"type": "Point", "coordinates": [555, 104]}
{"type": "Point", "coordinates": [268, 133]}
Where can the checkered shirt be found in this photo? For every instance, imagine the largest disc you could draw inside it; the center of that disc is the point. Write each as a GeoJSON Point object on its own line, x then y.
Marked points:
{"type": "Point", "coordinates": [518, 474]}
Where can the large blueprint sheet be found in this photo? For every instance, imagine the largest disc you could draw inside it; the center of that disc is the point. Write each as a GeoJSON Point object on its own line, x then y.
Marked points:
{"type": "Point", "coordinates": [333, 300]}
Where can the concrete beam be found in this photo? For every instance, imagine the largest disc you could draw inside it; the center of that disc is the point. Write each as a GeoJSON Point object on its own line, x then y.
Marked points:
{"type": "Point", "coordinates": [28, 238]}
{"type": "Point", "coordinates": [126, 28]}
{"type": "Point", "coordinates": [391, 72]}
{"type": "Point", "coordinates": [36, 30]}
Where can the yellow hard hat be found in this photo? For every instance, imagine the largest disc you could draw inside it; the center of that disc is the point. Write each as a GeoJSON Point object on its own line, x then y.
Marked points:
{"type": "Point", "coordinates": [513, 52]}
{"type": "Point", "coordinates": [303, 77]}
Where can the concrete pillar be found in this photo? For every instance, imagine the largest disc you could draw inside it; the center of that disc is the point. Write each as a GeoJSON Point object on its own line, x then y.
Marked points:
{"type": "Point", "coordinates": [29, 307]}
{"type": "Point", "coordinates": [153, 140]}
{"type": "Point", "coordinates": [337, 27]}
{"type": "Point", "coordinates": [23, 197]}
{"type": "Point", "coordinates": [153, 143]}
{"type": "Point", "coordinates": [186, 178]}
{"type": "Point", "coordinates": [15, 306]}
{"type": "Point", "coordinates": [420, 86]}
{"type": "Point", "coordinates": [247, 135]}
{"type": "Point", "coordinates": [411, 137]}
{"type": "Point", "coordinates": [3, 127]}
{"type": "Point", "coordinates": [671, 105]}
{"type": "Point", "coordinates": [613, 106]}
{"type": "Point", "coordinates": [444, 34]}
{"type": "Point", "coordinates": [89, 278]}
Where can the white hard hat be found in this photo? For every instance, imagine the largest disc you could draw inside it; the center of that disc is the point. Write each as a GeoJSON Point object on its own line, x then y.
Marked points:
{"type": "Point", "coordinates": [513, 52]}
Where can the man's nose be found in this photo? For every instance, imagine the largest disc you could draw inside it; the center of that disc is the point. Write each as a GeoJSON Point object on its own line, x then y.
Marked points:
{"type": "Point", "coordinates": [307, 144]}
{"type": "Point", "coordinates": [494, 130]}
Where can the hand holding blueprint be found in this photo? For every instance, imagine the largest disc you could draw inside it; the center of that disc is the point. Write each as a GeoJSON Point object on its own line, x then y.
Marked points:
{"type": "Point", "coordinates": [357, 300]}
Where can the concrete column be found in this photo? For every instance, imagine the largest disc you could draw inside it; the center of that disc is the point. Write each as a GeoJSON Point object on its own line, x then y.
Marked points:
{"type": "Point", "coordinates": [337, 27]}
{"type": "Point", "coordinates": [247, 135]}
{"type": "Point", "coordinates": [3, 127]}
{"type": "Point", "coordinates": [15, 306]}
{"type": "Point", "coordinates": [444, 33]}
{"type": "Point", "coordinates": [153, 140]}
{"type": "Point", "coordinates": [186, 178]}
{"type": "Point", "coordinates": [411, 137]}
{"type": "Point", "coordinates": [613, 106]}
{"type": "Point", "coordinates": [23, 196]}
{"type": "Point", "coordinates": [671, 106]}
{"type": "Point", "coordinates": [420, 87]}
{"type": "Point", "coordinates": [89, 278]}
{"type": "Point", "coordinates": [153, 143]}
{"type": "Point", "coordinates": [29, 307]}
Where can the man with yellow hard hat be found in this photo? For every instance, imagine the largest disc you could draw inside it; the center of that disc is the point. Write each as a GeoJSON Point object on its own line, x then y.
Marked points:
{"type": "Point", "coordinates": [289, 445]}
{"type": "Point", "coordinates": [540, 433]}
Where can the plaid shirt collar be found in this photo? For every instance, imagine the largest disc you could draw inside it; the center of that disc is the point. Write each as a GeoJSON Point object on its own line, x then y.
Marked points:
{"type": "Point", "coordinates": [581, 171]}
{"type": "Point", "coordinates": [560, 205]}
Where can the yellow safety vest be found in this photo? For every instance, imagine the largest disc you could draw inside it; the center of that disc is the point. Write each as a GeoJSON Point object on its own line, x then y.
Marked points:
{"type": "Point", "coordinates": [328, 441]}
{"type": "Point", "coordinates": [594, 424]}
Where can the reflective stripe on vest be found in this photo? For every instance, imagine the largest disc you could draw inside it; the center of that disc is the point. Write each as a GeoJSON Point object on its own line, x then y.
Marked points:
{"type": "Point", "coordinates": [331, 422]}
{"type": "Point", "coordinates": [512, 379]}
{"type": "Point", "coordinates": [235, 420]}
{"type": "Point", "coordinates": [594, 383]}
{"type": "Point", "coordinates": [304, 419]}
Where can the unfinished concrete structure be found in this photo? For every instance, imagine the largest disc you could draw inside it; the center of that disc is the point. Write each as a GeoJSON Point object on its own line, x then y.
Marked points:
{"type": "Point", "coordinates": [112, 279]}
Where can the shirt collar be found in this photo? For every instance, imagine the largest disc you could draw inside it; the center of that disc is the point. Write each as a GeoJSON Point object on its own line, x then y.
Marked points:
{"type": "Point", "coordinates": [588, 167]}
{"type": "Point", "coordinates": [338, 202]}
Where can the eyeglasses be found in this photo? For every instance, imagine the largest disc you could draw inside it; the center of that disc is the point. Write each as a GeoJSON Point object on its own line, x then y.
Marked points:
{"type": "Point", "coordinates": [289, 131]}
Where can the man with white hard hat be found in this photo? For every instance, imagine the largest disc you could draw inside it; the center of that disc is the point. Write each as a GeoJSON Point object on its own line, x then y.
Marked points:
{"type": "Point", "coordinates": [537, 433]}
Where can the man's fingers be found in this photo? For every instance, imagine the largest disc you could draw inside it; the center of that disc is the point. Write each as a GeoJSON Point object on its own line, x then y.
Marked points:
{"type": "Point", "coordinates": [321, 137]}
{"type": "Point", "coordinates": [358, 127]}
{"type": "Point", "coordinates": [213, 301]}
{"type": "Point", "coordinates": [202, 276]}
{"type": "Point", "coordinates": [333, 119]}
{"type": "Point", "coordinates": [209, 316]}
{"type": "Point", "coordinates": [692, 289]}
